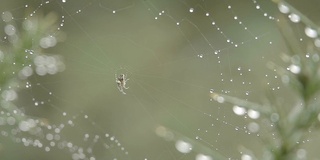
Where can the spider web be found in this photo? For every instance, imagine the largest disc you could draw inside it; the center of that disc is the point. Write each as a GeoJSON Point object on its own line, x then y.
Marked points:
{"type": "Point", "coordinates": [175, 54]}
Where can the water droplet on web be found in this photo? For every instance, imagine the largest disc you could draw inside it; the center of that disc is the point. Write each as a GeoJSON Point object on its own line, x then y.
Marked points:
{"type": "Point", "coordinates": [64, 1]}
{"type": "Point", "coordinates": [69, 144]}
{"type": "Point", "coordinates": [10, 30]}
{"type": "Point", "coordinates": [239, 110]}
{"type": "Point", "coordinates": [257, 7]}
{"type": "Point", "coordinates": [183, 146]}
{"type": "Point", "coordinates": [11, 120]}
{"type": "Point", "coordinates": [25, 72]}
{"type": "Point", "coordinates": [311, 32]}
{"type": "Point", "coordinates": [70, 122]}
{"type": "Point", "coordinates": [203, 157]}
{"type": "Point", "coordinates": [200, 55]}
{"type": "Point", "coordinates": [57, 130]}
{"type": "Point", "coordinates": [301, 153]}
{"type": "Point", "coordinates": [294, 18]}
{"type": "Point", "coordinates": [317, 42]}
{"type": "Point", "coordinates": [213, 23]}
{"type": "Point", "coordinates": [191, 10]}
{"type": "Point", "coordinates": [24, 126]}
{"type": "Point", "coordinates": [7, 16]}
{"type": "Point", "coordinates": [253, 114]}
{"type": "Point", "coordinates": [207, 14]}
{"type": "Point", "coordinates": [246, 157]}
{"type": "Point", "coordinates": [219, 99]}
{"type": "Point", "coordinates": [47, 149]}
{"type": "Point", "coordinates": [49, 136]}
{"type": "Point", "coordinates": [253, 127]}
{"type": "Point", "coordinates": [315, 57]}
{"type": "Point", "coordinates": [9, 95]}
{"type": "Point", "coordinates": [274, 117]}
{"type": "Point", "coordinates": [294, 69]}
{"type": "Point", "coordinates": [283, 8]}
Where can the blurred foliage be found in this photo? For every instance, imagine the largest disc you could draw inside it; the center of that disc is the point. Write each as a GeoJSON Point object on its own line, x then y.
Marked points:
{"type": "Point", "coordinates": [303, 76]}
{"type": "Point", "coordinates": [22, 54]}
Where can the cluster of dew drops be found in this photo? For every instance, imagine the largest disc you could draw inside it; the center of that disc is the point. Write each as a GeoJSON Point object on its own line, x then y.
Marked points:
{"type": "Point", "coordinates": [253, 127]}
{"type": "Point", "coordinates": [39, 132]}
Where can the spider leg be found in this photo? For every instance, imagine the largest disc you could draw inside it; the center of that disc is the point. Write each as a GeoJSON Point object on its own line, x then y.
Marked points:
{"type": "Point", "coordinates": [125, 87]}
{"type": "Point", "coordinates": [119, 87]}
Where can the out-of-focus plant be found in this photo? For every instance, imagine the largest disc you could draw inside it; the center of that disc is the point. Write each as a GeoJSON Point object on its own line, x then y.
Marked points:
{"type": "Point", "coordinates": [22, 54]}
{"type": "Point", "coordinates": [291, 126]}
{"type": "Point", "coordinates": [303, 76]}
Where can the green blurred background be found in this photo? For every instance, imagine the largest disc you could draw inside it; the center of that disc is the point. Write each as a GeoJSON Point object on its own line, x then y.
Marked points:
{"type": "Point", "coordinates": [171, 70]}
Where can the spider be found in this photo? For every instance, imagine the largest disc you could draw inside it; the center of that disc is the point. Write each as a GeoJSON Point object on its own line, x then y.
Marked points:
{"type": "Point", "coordinates": [121, 81]}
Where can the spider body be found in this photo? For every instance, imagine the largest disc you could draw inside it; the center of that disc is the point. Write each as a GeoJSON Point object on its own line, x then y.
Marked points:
{"type": "Point", "coordinates": [121, 81]}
